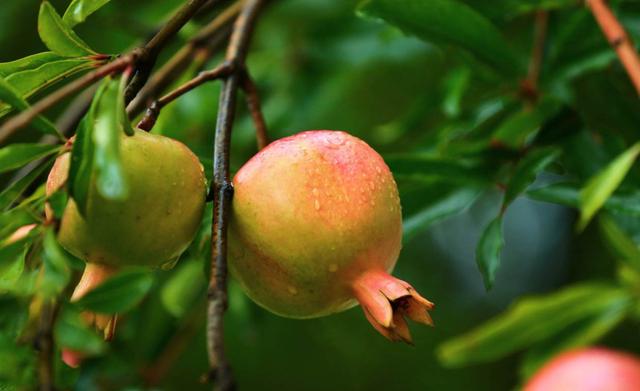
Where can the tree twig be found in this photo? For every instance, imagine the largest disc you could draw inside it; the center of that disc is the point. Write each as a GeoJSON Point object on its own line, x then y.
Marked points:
{"type": "Point", "coordinates": [529, 87]}
{"type": "Point", "coordinates": [203, 44]}
{"type": "Point", "coordinates": [44, 344]}
{"type": "Point", "coordinates": [149, 53]}
{"type": "Point", "coordinates": [223, 193]}
{"type": "Point", "coordinates": [618, 38]}
{"type": "Point", "coordinates": [253, 103]}
{"type": "Point", "coordinates": [150, 117]}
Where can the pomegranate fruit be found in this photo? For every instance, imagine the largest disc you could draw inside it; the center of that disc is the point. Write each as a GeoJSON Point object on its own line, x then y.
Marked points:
{"type": "Point", "coordinates": [316, 227]}
{"type": "Point", "coordinates": [590, 369]}
{"type": "Point", "coordinates": [151, 227]}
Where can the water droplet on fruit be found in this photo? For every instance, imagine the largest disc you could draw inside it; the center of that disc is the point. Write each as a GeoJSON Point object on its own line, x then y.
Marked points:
{"type": "Point", "coordinates": [333, 268]}
{"type": "Point", "coordinates": [316, 204]}
{"type": "Point", "coordinates": [373, 203]}
{"type": "Point", "coordinates": [378, 170]}
{"type": "Point", "coordinates": [293, 290]}
{"type": "Point", "coordinates": [315, 191]}
{"type": "Point", "coordinates": [372, 185]}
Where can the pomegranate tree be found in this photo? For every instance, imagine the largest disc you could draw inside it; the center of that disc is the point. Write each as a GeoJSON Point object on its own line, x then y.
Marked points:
{"type": "Point", "coordinates": [591, 369]}
{"type": "Point", "coordinates": [151, 227]}
{"type": "Point", "coordinates": [316, 227]}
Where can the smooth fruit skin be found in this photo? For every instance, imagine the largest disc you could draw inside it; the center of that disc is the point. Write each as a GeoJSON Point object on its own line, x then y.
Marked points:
{"type": "Point", "coordinates": [312, 215]}
{"type": "Point", "coordinates": [591, 369]}
{"type": "Point", "coordinates": [157, 220]}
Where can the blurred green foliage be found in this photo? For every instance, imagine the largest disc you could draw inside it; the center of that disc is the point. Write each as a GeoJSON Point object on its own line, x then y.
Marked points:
{"type": "Point", "coordinates": [490, 172]}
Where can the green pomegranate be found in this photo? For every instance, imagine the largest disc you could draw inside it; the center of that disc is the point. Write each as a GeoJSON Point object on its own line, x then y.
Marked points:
{"type": "Point", "coordinates": [589, 369]}
{"type": "Point", "coordinates": [316, 227]}
{"type": "Point", "coordinates": [151, 227]}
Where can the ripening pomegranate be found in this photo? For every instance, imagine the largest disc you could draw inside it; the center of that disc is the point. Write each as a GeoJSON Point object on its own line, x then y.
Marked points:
{"type": "Point", "coordinates": [151, 227]}
{"type": "Point", "coordinates": [590, 369]}
{"type": "Point", "coordinates": [316, 227]}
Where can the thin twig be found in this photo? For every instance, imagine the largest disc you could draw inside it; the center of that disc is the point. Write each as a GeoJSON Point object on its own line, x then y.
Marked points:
{"type": "Point", "coordinates": [44, 344]}
{"type": "Point", "coordinates": [149, 119]}
{"type": "Point", "coordinates": [203, 44]}
{"type": "Point", "coordinates": [149, 53]}
{"type": "Point", "coordinates": [529, 87]}
{"type": "Point", "coordinates": [618, 38]}
{"type": "Point", "coordinates": [24, 118]}
{"type": "Point", "coordinates": [253, 102]}
{"type": "Point", "coordinates": [223, 193]}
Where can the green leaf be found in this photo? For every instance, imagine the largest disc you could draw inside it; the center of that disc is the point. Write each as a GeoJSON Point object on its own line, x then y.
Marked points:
{"type": "Point", "coordinates": [488, 251]}
{"type": "Point", "coordinates": [12, 192]}
{"type": "Point", "coordinates": [71, 331]}
{"type": "Point", "coordinates": [520, 128]}
{"type": "Point", "coordinates": [81, 163]}
{"type": "Point", "coordinates": [435, 168]}
{"type": "Point", "coordinates": [526, 172]}
{"type": "Point", "coordinates": [530, 321]}
{"type": "Point", "coordinates": [33, 76]}
{"type": "Point", "coordinates": [17, 155]}
{"type": "Point", "coordinates": [9, 95]}
{"type": "Point", "coordinates": [14, 219]}
{"type": "Point", "coordinates": [58, 36]}
{"type": "Point", "coordinates": [622, 245]}
{"type": "Point", "coordinates": [79, 10]}
{"type": "Point", "coordinates": [557, 193]}
{"type": "Point", "coordinates": [12, 259]}
{"type": "Point", "coordinates": [107, 132]}
{"type": "Point", "coordinates": [119, 293]}
{"type": "Point", "coordinates": [449, 22]}
{"type": "Point", "coordinates": [600, 187]}
{"type": "Point", "coordinates": [584, 333]}
{"type": "Point", "coordinates": [183, 288]}
{"type": "Point", "coordinates": [56, 266]}
{"type": "Point", "coordinates": [450, 204]}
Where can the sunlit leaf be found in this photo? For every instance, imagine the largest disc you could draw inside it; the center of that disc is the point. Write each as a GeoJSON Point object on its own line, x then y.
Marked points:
{"type": "Point", "coordinates": [584, 333]}
{"type": "Point", "coordinates": [119, 293]}
{"type": "Point", "coordinates": [602, 185]}
{"type": "Point", "coordinates": [450, 22]}
{"type": "Point", "coordinates": [58, 36]}
{"type": "Point", "coordinates": [488, 251]}
{"type": "Point", "coordinates": [530, 321]}
{"type": "Point", "coordinates": [79, 10]}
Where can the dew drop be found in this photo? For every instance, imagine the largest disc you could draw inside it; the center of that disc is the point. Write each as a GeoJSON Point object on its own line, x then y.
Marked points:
{"type": "Point", "coordinates": [315, 191]}
{"type": "Point", "coordinates": [372, 185]}
{"type": "Point", "coordinates": [316, 204]}
{"type": "Point", "coordinates": [378, 170]}
{"type": "Point", "coordinates": [293, 290]}
{"type": "Point", "coordinates": [373, 203]}
{"type": "Point", "coordinates": [333, 268]}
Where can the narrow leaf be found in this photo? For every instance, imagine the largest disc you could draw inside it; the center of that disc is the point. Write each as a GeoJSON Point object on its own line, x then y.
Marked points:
{"type": "Point", "coordinates": [12, 192]}
{"type": "Point", "coordinates": [58, 36]}
{"type": "Point", "coordinates": [182, 289]}
{"type": "Point", "coordinates": [450, 204]}
{"type": "Point", "coordinates": [79, 10]}
{"type": "Point", "coordinates": [450, 22]}
{"type": "Point", "coordinates": [622, 245]}
{"type": "Point", "coordinates": [107, 133]}
{"type": "Point", "coordinates": [11, 97]}
{"type": "Point", "coordinates": [81, 164]}
{"type": "Point", "coordinates": [530, 321]}
{"type": "Point", "coordinates": [17, 155]}
{"type": "Point", "coordinates": [119, 293]}
{"type": "Point", "coordinates": [56, 266]}
{"type": "Point", "coordinates": [600, 187]}
{"type": "Point", "coordinates": [526, 172]}
{"type": "Point", "coordinates": [520, 128]}
{"type": "Point", "coordinates": [488, 251]}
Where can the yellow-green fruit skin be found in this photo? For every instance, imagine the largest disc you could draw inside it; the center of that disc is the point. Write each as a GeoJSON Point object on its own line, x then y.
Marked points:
{"type": "Point", "coordinates": [311, 213]}
{"type": "Point", "coordinates": [157, 220]}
